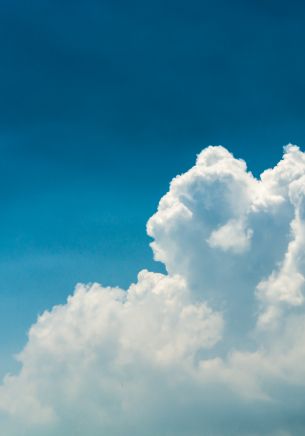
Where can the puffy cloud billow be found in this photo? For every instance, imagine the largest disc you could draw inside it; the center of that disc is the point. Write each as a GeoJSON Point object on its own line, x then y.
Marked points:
{"type": "Point", "coordinates": [214, 347]}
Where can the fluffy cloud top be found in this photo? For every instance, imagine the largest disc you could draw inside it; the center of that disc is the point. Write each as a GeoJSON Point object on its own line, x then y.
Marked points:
{"type": "Point", "coordinates": [216, 346]}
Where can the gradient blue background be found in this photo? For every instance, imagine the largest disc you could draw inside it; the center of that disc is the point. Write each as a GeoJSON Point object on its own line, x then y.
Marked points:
{"type": "Point", "coordinates": [102, 103]}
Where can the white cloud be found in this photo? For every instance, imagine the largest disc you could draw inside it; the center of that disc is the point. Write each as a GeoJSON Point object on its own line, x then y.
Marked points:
{"type": "Point", "coordinates": [207, 348]}
{"type": "Point", "coordinates": [231, 236]}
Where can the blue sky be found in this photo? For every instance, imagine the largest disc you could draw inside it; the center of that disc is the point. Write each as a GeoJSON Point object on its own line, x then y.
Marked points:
{"type": "Point", "coordinates": [102, 103]}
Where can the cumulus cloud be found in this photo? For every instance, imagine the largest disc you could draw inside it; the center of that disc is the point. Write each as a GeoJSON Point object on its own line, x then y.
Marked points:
{"type": "Point", "coordinates": [215, 347]}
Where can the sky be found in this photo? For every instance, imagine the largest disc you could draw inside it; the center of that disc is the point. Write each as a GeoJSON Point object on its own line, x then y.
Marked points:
{"type": "Point", "coordinates": [102, 104]}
